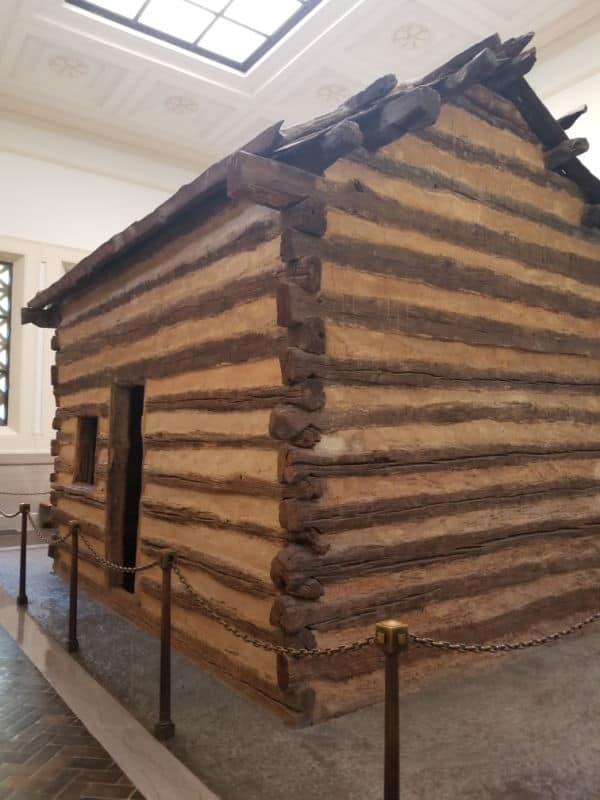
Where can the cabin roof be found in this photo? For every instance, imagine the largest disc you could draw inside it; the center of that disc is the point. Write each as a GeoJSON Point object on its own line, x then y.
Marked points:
{"type": "Point", "coordinates": [498, 65]}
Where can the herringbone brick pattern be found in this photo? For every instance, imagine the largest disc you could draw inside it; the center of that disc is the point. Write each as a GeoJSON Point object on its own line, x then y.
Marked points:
{"type": "Point", "coordinates": [46, 753]}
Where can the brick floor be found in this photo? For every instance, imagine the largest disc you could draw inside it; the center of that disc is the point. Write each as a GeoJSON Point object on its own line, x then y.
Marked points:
{"type": "Point", "coordinates": [46, 753]}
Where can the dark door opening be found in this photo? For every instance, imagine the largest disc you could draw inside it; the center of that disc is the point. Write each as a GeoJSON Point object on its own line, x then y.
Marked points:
{"type": "Point", "coordinates": [133, 483]}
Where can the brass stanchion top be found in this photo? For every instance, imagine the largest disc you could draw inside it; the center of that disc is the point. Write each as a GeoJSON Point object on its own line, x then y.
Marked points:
{"type": "Point", "coordinates": [24, 508]}
{"type": "Point", "coordinates": [391, 636]}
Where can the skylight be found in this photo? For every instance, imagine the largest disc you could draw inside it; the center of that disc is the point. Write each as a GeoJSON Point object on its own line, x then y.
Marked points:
{"type": "Point", "coordinates": [232, 32]}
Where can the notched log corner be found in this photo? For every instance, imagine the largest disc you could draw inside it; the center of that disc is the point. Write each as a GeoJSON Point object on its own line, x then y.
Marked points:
{"type": "Point", "coordinates": [304, 588]}
{"type": "Point", "coordinates": [308, 216]}
{"type": "Point", "coordinates": [306, 273]}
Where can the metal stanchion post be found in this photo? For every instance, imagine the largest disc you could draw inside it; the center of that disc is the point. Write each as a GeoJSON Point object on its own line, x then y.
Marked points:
{"type": "Point", "coordinates": [73, 644]}
{"type": "Point", "coordinates": [392, 637]}
{"type": "Point", "coordinates": [165, 728]}
{"type": "Point", "coordinates": [24, 508]}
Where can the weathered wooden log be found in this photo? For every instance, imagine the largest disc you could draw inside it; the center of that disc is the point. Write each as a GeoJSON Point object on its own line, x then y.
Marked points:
{"type": "Point", "coordinates": [54, 375]}
{"type": "Point", "coordinates": [308, 395]}
{"type": "Point", "coordinates": [54, 447]}
{"type": "Point", "coordinates": [54, 345]}
{"type": "Point", "coordinates": [591, 216]}
{"type": "Point", "coordinates": [513, 70]}
{"type": "Point", "coordinates": [477, 70]}
{"type": "Point", "coordinates": [234, 350]}
{"type": "Point", "coordinates": [309, 216]}
{"type": "Point", "coordinates": [83, 410]}
{"type": "Point", "coordinates": [317, 151]}
{"type": "Point", "coordinates": [492, 42]}
{"type": "Point", "coordinates": [224, 571]}
{"type": "Point", "coordinates": [512, 47]}
{"type": "Point", "coordinates": [244, 485]}
{"type": "Point", "coordinates": [568, 120]}
{"type": "Point", "coordinates": [436, 180]}
{"type": "Point", "coordinates": [409, 111]}
{"type": "Point", "coordinates": [267, 182]}
{"type": "Point", "coordinates": [182, 515]}
{"type": "Point", "coordinates": [565, 151]}
{"type": "Point", "coordinates": [375, 91]}
{"type": "Point", "coordinates": [42, 317]}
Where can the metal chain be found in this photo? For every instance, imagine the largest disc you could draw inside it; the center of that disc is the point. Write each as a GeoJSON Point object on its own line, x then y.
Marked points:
{"type": "Point", "coordinates": [294, 652]}
{"type": "Point", "coordinates": [54, 540]}
{"type": "Point", "coordinates": [9, 516]}
{"type": "Point", "coordinates": [503, 647]}
{"type": "Point", "coordinates": [104, 562]}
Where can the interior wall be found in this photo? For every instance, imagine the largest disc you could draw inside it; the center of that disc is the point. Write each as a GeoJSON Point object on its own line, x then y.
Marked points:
{"type": "Point", "coordinates": [61, 196]}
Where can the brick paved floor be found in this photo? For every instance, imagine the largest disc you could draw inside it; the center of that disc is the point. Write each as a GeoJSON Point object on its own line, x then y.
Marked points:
{"type": "Point", "coordinates": [46, 753]}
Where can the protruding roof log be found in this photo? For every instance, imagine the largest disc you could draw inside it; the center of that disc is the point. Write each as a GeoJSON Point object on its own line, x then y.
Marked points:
{"type": "Point", "coordinates": [412, 110]}
{"type": "Point", "coordinates": [492, 42]}
{"type": "Point", "coordinates": [267, 182]}
{"type": "Point", "coordinates": [571, 118]}
{"type": "Point", "coordinates": [42, 317]}
{"type": "Point", "coordinates": [477, 70]}
{"type": "Point", "coordinates": [375, 91]}
{"type": "Point", "coordinates": [564, 152]}
{"type": "Point", "coordinates": [319, 150]}
{"type": "Point", "coordinates": [512, 47]}
{"type": "Point", "coordinates": [512, 70]}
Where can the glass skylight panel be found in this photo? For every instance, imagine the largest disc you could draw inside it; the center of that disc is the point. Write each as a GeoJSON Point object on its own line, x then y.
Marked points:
{"type": "Point", "coordinates": [265, 16]}
{"type": "Point", "coordinates": [178, 18]}
{"type": "Point", "coordinates": [236, 33]}
{"type": "Point", "coordinates": [231, 40]}
{"type": "Point", "coordinates": [125, 8]}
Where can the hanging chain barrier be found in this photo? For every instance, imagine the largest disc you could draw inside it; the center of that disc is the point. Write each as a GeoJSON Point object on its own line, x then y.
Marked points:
{"type": "Point", "coordinates": [503, 647]}
{"type": "Point", "coordinates": [50, 540]}
{"type": "Point", "coordinates": [104, 562]}
{"type": "Point", "coordinates": [271, 647]}
{"type": "Point", "coordinates": [6, 515]}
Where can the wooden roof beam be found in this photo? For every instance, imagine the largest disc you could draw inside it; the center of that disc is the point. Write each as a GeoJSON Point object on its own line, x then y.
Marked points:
{"type": "Point", "coordinates": [400, 113]}
{"type": "Point", "coordinates": [318, 151]}
{"type": "Point", "coordinates": [564, 152]}
{"type": "Point", "coordinates": [513, 70]}
{"type": "Point", "coordinates": [568, 120]}
{"type": "Point", "coordinates": [42, 317]}
{"type": "Point", "coordinates": [268, 182]}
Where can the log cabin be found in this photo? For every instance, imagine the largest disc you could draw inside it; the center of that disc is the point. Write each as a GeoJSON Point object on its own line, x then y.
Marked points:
{"type": "Point", "coordinates": [352, 371]}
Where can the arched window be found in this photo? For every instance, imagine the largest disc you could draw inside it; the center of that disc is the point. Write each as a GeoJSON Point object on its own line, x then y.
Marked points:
{"type": "Point", "coordinates": [5, 309]}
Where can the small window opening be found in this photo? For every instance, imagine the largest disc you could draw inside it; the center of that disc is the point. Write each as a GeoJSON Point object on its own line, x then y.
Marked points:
{"type": "Point", "coordinates": [87, 431]}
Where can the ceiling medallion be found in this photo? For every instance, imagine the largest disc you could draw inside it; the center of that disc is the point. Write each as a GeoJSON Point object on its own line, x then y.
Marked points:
{"type": "Point", "coordinates": [68, 66]}
{"type": "Point", "coordinates": [412, 35]}
{"type": "Point", "coordinates": [332, 92]}
{"type": "Point", "coordinates": [179, 104]}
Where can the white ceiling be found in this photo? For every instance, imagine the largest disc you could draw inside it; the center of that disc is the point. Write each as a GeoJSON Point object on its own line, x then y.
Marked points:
{"type": "Point", "coordinates": [84, 74]}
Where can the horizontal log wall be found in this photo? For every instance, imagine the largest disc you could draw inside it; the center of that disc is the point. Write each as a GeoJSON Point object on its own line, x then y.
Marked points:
{"type": "Point", "coordinates": [457, 455]}
{"type": "Point", "coordinates": [193, 319]}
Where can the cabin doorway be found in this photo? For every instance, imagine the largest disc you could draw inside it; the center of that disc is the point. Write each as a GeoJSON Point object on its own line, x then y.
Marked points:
{"type": "Point", "coordinates": [125, 480]}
